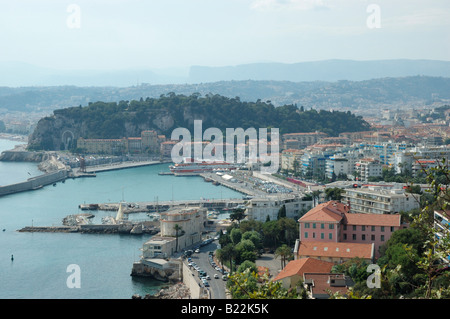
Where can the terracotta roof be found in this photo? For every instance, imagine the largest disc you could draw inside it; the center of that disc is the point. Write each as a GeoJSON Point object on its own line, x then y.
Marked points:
{"type": "Point", "coordinates": [303, 265]}
{"type": "Point", "coordinates": [330, 211]}
{"type": "Point", "coordinates": [373, 219]}
{"type": "Point", "coordinates": [335, 250]}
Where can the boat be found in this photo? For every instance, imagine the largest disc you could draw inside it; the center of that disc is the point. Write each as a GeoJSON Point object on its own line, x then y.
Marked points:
{"type": "Point", "coordinates": [191, 167]}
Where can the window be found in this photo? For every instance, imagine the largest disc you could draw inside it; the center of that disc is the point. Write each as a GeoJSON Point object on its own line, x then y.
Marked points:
{"type": "Point", "coordinates": [314, 225]}
{"type": "Point", "coordinates": [306, 234]}
{"type": "Point", "coordinates": [354, 236]}
{"type": "Point", "coordinates": [392, 229]}
{"type": "Point", "coordinates": [322, 226]}
{"type": "Point", "coordinates": [306, 225]}
{"type": "Point", "coordinates": [372, 237]}
{"type": "Point", "coordinates": [363, 237]}
{"type": "Point", "coordinates": [354, 227]}
{"type": "Point", "coordinates": [363, 227]}
{"type": "Point", "coordinates": [330, 236]}
{"type": "Point", "coordinates": [373, 228]}
{"type": "Point", "coordinates": [331, 226]}
{"type": "Point", "coordinates": [314, 235]}
{"type": "Point", "coordinates": [322, 235]}
{"type": "Point", "coordinates": [382, 237]}
{"type": "Point", "coordinates": [345, 236]}
{"type": "Point", "coordinates": [382, 228]}
{"type": "Point", "coordinates": [345, 227]}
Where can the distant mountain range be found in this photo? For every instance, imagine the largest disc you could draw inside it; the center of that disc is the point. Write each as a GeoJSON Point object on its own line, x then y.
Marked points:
{"type": "Point", "coordinates": [17, 74]}
{"type": "Point", "coordinates": [369, 95]}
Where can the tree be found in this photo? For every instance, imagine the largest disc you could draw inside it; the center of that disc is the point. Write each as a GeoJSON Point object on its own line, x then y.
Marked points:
{"type": "Point", "coordinates": [238, 214]}
{"type": "Point", "coordinates": [282, 212]}
{"type": "Point", "coordinates": [244, 285]}
{"type": "Point", "coordinates": [285, 253]}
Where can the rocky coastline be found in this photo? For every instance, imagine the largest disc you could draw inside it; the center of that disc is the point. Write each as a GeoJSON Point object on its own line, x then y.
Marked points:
{"type": "Point", "coordinates": [176, 291]}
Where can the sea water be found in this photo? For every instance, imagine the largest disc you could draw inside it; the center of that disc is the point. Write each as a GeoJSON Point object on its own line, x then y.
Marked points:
{"type": "Point", "coordinates": [40, 268]}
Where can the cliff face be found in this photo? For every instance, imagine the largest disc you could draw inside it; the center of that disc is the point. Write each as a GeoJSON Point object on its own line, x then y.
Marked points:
{"type": "Point", "coordinates": [59, 132]}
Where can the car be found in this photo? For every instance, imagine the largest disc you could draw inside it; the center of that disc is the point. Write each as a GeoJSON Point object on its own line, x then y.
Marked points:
{"type": "Point", "coordinates": [207, 277]}
{"type": "Point", "coordinates": [197, 250]}
{"type": "Point", "coordinates": [206, 284]}
{"type": "Point", "coordinates": [216, 276]}
{"type": "Point", "coordinates": [224, 277]}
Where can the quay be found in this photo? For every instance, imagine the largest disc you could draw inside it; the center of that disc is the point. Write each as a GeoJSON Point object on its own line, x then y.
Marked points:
{"type": "Point", "coordinates": [160, 206]}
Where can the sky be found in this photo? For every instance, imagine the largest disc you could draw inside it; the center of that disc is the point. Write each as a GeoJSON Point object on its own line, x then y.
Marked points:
{"type": "Point", "coordinates": [121, 34]}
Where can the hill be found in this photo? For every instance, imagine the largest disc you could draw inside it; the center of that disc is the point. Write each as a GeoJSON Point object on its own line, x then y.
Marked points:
{"type": "Point", "coordinates": [163, 114]}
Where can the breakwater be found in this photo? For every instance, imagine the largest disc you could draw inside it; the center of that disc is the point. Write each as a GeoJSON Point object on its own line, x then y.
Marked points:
{"type": "Point", "coordinates": [136, 229]}
{"type": "Point", "coordinates": [34, 182]}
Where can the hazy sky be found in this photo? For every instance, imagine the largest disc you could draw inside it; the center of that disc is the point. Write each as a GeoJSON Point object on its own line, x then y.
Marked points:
{"type": "Point", "coordinates": [119, 34]}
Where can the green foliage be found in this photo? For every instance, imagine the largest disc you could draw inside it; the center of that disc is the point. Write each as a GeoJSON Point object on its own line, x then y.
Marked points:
{"type": "Point", "coordinates": [249, 285]}
{"type": "Point", "coordinates": [107, 120]}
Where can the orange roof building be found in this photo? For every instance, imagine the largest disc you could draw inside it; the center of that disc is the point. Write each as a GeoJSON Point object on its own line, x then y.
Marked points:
{"type": "Point", "coordinates": [294, 270]}
{"type": "Point", "coordinates": [332, 222]}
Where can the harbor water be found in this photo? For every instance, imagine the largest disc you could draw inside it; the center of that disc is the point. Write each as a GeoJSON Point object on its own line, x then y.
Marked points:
{"type": "Point", "coordinates": [40, 268]}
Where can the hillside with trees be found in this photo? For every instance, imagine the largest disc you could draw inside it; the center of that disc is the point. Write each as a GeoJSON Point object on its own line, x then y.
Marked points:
{"type": "Point", "coordinates": [163, 114]}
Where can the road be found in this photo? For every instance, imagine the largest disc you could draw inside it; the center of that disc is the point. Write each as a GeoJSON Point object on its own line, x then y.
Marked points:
{"type": "Point", "coordinates": [217, 286]}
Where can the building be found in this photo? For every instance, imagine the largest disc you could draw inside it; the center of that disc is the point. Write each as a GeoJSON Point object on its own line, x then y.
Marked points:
{"type": "Point", "coordinates": [368, 167]}
{"type": "Point", "coordinates": [337, 166]}
{"type": "Point", "coordinates": [321, 285]}
{"type": "Point", "coordinates": [314, 163]}
{"type": "Point", "coordinates": [191, 223]}
{"type": "Point", "coordinates": [442, 225]}
{"type": "Point", "coordinates": [261, 209]}
{"type": "Point", "coordinates": [148, 142]}
{"type": "Point", "coordinates": [332, 222]}
{"type": "Point", "coordinates": [301, 140]}
{"type": "Point", "coordinates": [379, 200]}
{"type": "Point", "coordinates": [292, 274]}
{"type": "Point", "coordinates": [102, 146]}
{"type": "Point", "coordinates": [335, 252]}
{"type": "Point", "coordinates": [291, 160]}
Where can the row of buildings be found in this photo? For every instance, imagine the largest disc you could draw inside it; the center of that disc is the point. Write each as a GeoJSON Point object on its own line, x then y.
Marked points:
{"type": "Point", "coordinates": [361, 161]}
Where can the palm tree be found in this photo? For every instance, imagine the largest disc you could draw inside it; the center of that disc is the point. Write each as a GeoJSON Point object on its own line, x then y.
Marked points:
{"type": "Point", "coordinates": [177, 229]}
{"type": "Point", "coordinates": [285, 253]}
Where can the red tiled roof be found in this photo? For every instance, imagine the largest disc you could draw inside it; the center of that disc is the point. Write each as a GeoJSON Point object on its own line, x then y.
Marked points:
{"type": "Point", "coordinates": [335, 250]}
{"type": "Point", "coordinates": [373, 219]}
{"type": "Point", "coordinates": [303, 265]}
{"type": "Point", "coordinates": [329, 211]}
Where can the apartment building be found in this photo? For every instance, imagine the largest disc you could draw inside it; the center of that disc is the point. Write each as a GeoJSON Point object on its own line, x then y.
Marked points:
{"type": "Point", "coordinates": [379, 200]}
{"type": "Point", "coordinates": [442, 225]}
{"type": "Point", "coordinates": [301, 140]}
{"type": "Point", "coordinates": [262, 208]}
{"type": "Point", "coordinates": [368, 167]}
{"type": "Point", "coordinates": [288, 159]}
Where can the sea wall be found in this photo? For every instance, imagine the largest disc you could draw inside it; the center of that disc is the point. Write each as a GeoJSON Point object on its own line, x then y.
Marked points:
{"type": "Point", "coordinates": [34, 182]}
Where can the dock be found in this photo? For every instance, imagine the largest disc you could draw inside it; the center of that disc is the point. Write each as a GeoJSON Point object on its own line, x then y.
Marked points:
{"type": "Point", "coordinates": [160, 206]}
